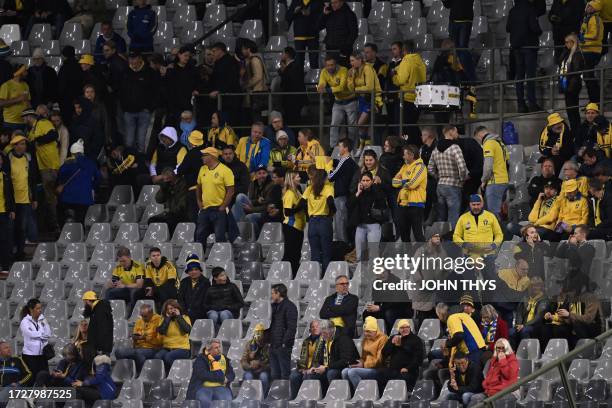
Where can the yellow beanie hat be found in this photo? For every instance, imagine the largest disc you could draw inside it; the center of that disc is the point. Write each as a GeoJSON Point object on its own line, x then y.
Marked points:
{"type": "Point", "coordinates": [370, 324]}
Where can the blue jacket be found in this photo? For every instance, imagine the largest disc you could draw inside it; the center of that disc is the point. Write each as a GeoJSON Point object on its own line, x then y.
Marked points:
{"type": "Point", "coordinates": [103, 381]}
{"type": "Point", "coordinates": [79, 190]}
{"type": "Point", "coordinates": [201, 373]}
{"type": "Point", "coordinates": [141, 26]}
{"type": "Point", "coordinates": [100, 41]}
{"type": "Point", "coordinates": [74, 371]}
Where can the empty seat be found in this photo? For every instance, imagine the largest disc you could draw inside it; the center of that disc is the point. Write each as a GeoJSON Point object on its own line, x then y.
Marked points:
{"type": "Point", "coordinates": [136, 251]}
{"type": "Point", "coordinates": [120, 195]}
{"type": "Point", "coordinates": [338, 390]}
{"type": "Point", "coordinates": [308, 272]}
{"type": "Point", "coordinates": [335, 269]}
{"type": "Point", "coordinates": [118, 308]}
{"type": "Point", "coordinates": [250, 390]}
{"type": "Point", "coordinates": [120, 329]}
{"type": "Point", "coordinates": [192, 31]}
{"type": "Point", "coordinates": [71, 232]}
{"type": "Point", "coordinates": [555, 349]}
{"type": "Point", "coordinates": [165, 32]}
{"type": "Point", "coordinates": [152, 371]}
{"type": "Point", "coordinates": [259, 310]}
{"type": "Point", "coordinates": [123, 370]}
{"type": "Point", "coordinates": [53, 290]}
{"type": "Point", "coordinates": [252, 30]}
{"type": "Point", "coordinates": [124, 213]}
{"type": "Point", "coordinates": [128, 232]}
{"type": "Point", "coordinates": [528, 349]}
{"type": "Point", "coordinates": [103, 252]}
{"type": "Point", "coordinates": [147, 195]}
{"type": "Point", "coordinates": [161, 390]}
{"type": "Point", "coordinates": [395, 390]}
{"type": "Point", "coordinates": [74, 252]}
{"type": "Point", "coordinates": [183, 15]}
{"type": "Point", "coordinates": [310, 390]}
{"type": "Point", "coordinates": [180, 372]}
{"type": "Point", "coordinates": [259, 290]}
{"type": "Point", "coordinates": [133, 389]}
{"type": "Point", "coordinates": [46, 251]}
{"type": "Point", "coordinates": [423, 391]}
{"type": "Point", "coordinates": [230, 329]}
{"type": "Point", "coordinates": [71, 32]}
{"type": "Point", "coordinates": [156, 232]}
{"type": "Point", "coordinates": [10, 33]}
{"type": "Point", "coordinates": [20, 48]}
{"type": "Point", "coordinates": [57, 309]}
{"type": "Point", "coordinates": [279, 391]}
{"type": "Point", "coordinates": [40, 33]}
{"type": "Point", "coordinates": [183, 233]}
{"type": "Point", "coordinates": [152, 210]}
{"type": "Point", "coordinates": [160, 12]}
{"type": "Point", "coordinates": [20, 272]}
{"type": "Point", "coordinates": [280, 271]}
{"type": "Point", "coordinates": [430, 329]}
{"type": "Point", "coordinates": [367, 390]}
{"type": "Point", "coordinates": [96, 213]}
{"type": "Point", "coordinates": [120, 17]}
{"type": "Point", "coordinates": [214, 15]}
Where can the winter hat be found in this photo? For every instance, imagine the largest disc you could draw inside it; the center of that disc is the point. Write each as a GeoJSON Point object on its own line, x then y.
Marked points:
{"type": "Point", "coordinates": [193, 262]}
{"type": "Point", "coordinates": [553, 119]}
{"type": "Point", "coordinates": [403, 322]}
{"type": "Point", "coordinates": [475, 198]}
{"type": "Point", "coordinates": [592, 106]}
{"type": "Point", "coordinates": [87, 59]}
{"type": "Point", "coordinates": [196, 138]}
{"type": "Point", "coordinates": [370, 324]}
{"type": "Point", "coordinates": [281, 134]}
{"type": "Point", "coordinates": [38, 53]}
{"type": "Point", "coordinates": [78, 147]}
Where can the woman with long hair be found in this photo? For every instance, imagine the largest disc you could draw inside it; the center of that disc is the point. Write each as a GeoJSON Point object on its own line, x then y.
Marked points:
{"type": "Point", "coordinates": [411, 181]}
{"type": "Point", "coordinates": [362, 79]}
{"type": "Point", "coordinates": [80, 334]}
{"type": "Point", "coordinates": [369, 162]}
{"type": "Point", "coordinates": [308, 150]}
{"type": "Point", "coordinates": [174, 330]}
{"type": "Point", "coordinates": [294, 220]}
{"type": "Point", "coordinates": [220, 133]}
{"type": "Point", "coordinates": [532, 249]}
{"type": "Point", "coordinates": [319, 200]}
{"type": "Point", "coordinates": [570, 83]}
{"type": "Point", "coordinates": [36, 333]}
{"type": "Point", "coordinates": [493, 326]}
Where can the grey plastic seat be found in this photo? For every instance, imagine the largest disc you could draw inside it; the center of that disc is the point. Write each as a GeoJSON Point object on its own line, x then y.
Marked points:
{"type": "Point", "coordinates": [603, 370]}
{"type": "Point", "coordinates": [123, 370]}
{"type": "Point", "coordinates": [45, 251]}
{"type": "Point", "coordinates": [191, 31]}
{"type": "Point", "coordinates": [74, 404]}
{"type": "Point", "coordinates": [124, 213]}
{"type": "Point", "coordinates": [74, 252]}
{"type": "Point", "coordinates": [274, 253]}
{"type": "Point", "coordinates": [22, 292]}
{"type": "Point", "coordinates": [220, 252]}
{"type": "Point", "coordinates": [280, 390]}
{"type": "Point", "coordinates": [104, 252]}
{"type": "Point", "coordinates": [183, 16]}
{"type": "Point", "coordinates": [53, 290]}
{"type": "Point", "coordinates": [230, 329]}
{"type": "Point", "coordinates": [165, 31]}
{"type": "Point", "coordinates": [40, 33]}
{"type": "Point", "coordinates": [259, 310]}
{"type": "Point", "coordinates": [136, 250]}
{"type": "Point", "coordinates": [60, 328]}
{"type": "Point", "coordinates": [161, 404]}
{"type": "Point", "coordinates": [10, 33]}
{"type": "Point", "coordinates": [280, 271]}
{"type": "Point", "coordinates": [118, 308]}
{"type": "Point", "coordinates": [259, 290]}
{"type": "Point", "coordinates": [160, 12]}
{"type": "Point", "coordinates": [136, 311]}
{"type": "Point", "coordinates": [156, 232]}
{"type": "Point", "coordinates": [120, 195]}
{"type": "Point", "coordinates": [250, 390]}
{"type": "Point", "coordinates": [57, 309]}
{"type": "Point", "coordinates": [310, 390]}
{"type": "Point", "coordinates": [555, 349]}
{"type": "Point", "coordinates": [249, 252]}
{"type": "Point", "coordinates": [252, 30]}
{"type": "Point", "coordinates": [308, 272]}
{"type": "Point", "coordinates": [180, 372]}
{"type": "Point", "coordinates": [184, 233]}
{"type": "Point", "coordinates": [71, 232]}
{"type": "Point", "coordinates": [120, 329]}
{"type": "Point", "coordinates": [271, 232]}
{"type": "Point", "coordinates": [96, 213]}
{"type": "Point", "coordinates": [338, 390]}
{"type": "Point", "coordinates": [20, 48]}
{"type": "Point", "coordinates": [161, 390]}
{"type": "Point", "coordinates": [100, 232]}
{"type": "Point", "coordinates": [190, 404]}
{"type": "Point", "coordinates": [188, 249]}
{"type": "Point", "coordinates": [148, 192]}
{"type": "Point", "coordinates": [214, 15]}
{"type": "Point", "coordinates": [335, 269]}
{"type": "Point", "coordinates": [395, 390]}
{"type": "Point", "coordinates": [429, 329]}
{"type": "Point", "coordinates": [71, 32]}
{"type": "Point", "coordinates": [20, 272]}
{"type": "Point", "coordinates": [76, 293]}
{"type": "Point", "coordinates": [367, 390]}
{"type": "Point", "coordinates": [120, 17]}
{"type": "Point", "coordinates": [528, 349]}
{"type": "Point", "coordinates": [113, 4]}
{"type": "Point", "coordinates": [580, 370]}
{"type": "Point", "coordinates": [251, 272]}
{"type": "Point", "coordinates": [152, 371]}
{"type": "Point", "coordinates": [235, 349]}
{"type": "Point", "coordinates": [423, 391]}
{"type": "Point", "coordinates": [128, 232]}
{"type": "Point", "coordinates": [526, 367]}
{"type": "Point", "coordinates": [317, 291]}
{"type": "Point", "coordinates": [151, 210]}
{"type": "Point", "coordinates": [103, 274]}
{"type": "Point", "coordinates": [133, 389]}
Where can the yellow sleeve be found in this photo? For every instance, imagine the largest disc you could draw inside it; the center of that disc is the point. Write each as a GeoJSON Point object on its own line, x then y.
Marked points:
{"type": "Point", "coordinates": [418, 179]}
{"type": "Point", "coordinates": [172, 271]}
{"type": "Point", "coordinates": [397, 179]}
{"type": "Point", "coordinates": [231, 136]}
{"type": "Point", "coordinates": [241, 150]}
{"type": "Point", "coordinates": [328, 191]}
{"type": "Point", "coordinates": [402, 74]}
{"type": "Point", "coordinates": [383, 70]}
{"type": "Point", "coordinates": [535, 211]}
{"type": "Point", "coordinates": [487, 149]}
{"type": "Point", "coordinates": [4, 94]}
{"type": "Point", "coordinates": [228, 178]}
{"type": "Point", "coordinates": [552, 215]}
{"type": "Point", "coordinates": [458, 234]}
{"type": "Point", "coordinates": [323, 78]}
{"type": "Point", "coordinates": [180, 156]}
{"type": "Point", "coordinates": [370, 80]}
{"type": "Point", "coordinates": [154, 158]}
{"type": "Point", "coordinates": [343, 75]}
{"type": "Point", "coordinates": [453, 324]}
{"type": "Point", "coordinates": [593, 29]}
{"type": "Point", "coordinates": [307, 193]}
{"type": "Point", "coordinates": [288, 199]}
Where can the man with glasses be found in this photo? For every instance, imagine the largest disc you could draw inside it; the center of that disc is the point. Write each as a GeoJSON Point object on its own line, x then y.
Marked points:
{"type": "Point", "coordinates": [465, 380]}
{"type": "Point", "coordinates": [341, 307]}
{"type": "Point", "coordinates": [403, 354]}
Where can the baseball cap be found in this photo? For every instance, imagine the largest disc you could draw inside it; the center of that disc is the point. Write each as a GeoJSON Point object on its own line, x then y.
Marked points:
{"type": "Point", "coordinates": [210, 150]}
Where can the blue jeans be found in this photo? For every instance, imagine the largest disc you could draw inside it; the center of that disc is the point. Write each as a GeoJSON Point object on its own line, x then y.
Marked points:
{"type": "Point", "coordinates": [367, 236]}
{"type": "Point", "coordinates": [136, 125]}
{"type": "Point", "coordinates": [460, 33]}
{"type": "Point", "coordinates": [354, 375]}
{"type": "Point", "coordinates": [449, 203]}
{"type": "Point", "coordinates": [526, 63]}
{"type": "Point", "coordinates": [263, 376]}
{"type": "Point", "coordinates": [333, 374]}
{"type": "Point", "coordinates": [170, 355]}
{"type": "Point", "coordinates": [237, 210]}
{"type": "Point", "coordinates": [340, 218]}
{"type": "Point", "coordinates": [280, 363]}
{"type": "Point", "coordinates": [494, 196]}
{"type": "Point", "coordinates": [219, 317]}
{"type": "Point", "coordinates": [211, 220]}
{"type": "Point", "coordinates": [205, 395]}
{"type": "Point", "coordinates": [464, 398]}
{"type": "Point", "coordinates": [320, 234]}
{"type": "Point", "coordinates": [139, 355]}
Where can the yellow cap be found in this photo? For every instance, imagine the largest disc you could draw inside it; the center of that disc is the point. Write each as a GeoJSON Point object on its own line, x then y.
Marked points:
{"type": "Point", "coordinates": [210, 150]}
{"type": "Point", "coordinates": [90, 295]}
{"type": "Point", "coordinates": [259, 327]}
{"type": "Point", "coordinates": [19, 71]}
{"type": "Point", "coordinates": [403, 322]}
{"type": "Point", "coordinates": [570, 185]}
{"type": "Point", "coordinates": [553, 119]}
{"type": "Point", "coordinates": [592, 106]}
{"type": "Point", "coordinates": [370, 324]}
{"type": "Point", "coordinates": [596, 4]}
{"type": "Point", "coordinates": [17, 139]}
{"type": "Point", "coordinates": [87, 59]}
{"type": "Point", "coordinates": [196, 138]}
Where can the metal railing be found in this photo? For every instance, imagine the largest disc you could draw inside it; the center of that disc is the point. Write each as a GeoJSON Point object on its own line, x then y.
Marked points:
{"type": "Point", "coordinates": [555, 364]}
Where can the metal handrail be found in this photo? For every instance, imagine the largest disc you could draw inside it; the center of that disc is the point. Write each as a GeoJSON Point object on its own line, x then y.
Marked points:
{"type": "Point", "coordinates": [489, 402]}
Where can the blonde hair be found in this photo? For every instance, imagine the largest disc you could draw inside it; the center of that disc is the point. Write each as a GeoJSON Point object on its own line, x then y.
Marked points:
{"type": "Point", "coordinates": [488, 311]}
{"type": "Point", "coordinates": [574, 48]}
{"type": "Point", "coordinates": [290, 184]}
{"type": "Point", "coordinates": [80, 338]}
{"type": "Point", "coordinates": [506, 344]}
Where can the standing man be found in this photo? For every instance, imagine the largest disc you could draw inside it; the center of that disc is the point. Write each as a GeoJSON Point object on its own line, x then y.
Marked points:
{"type": "Point", "coordinates": [108, 34]}
{"type": "Point", "coordinates": [45, 139]}
{"type": "Point", "coordinates": [591, 39]}
{"type": "Point", "coordinates": [141, 26]}
{"type": "Point", "coordinates": [14, 99]}
{"type": "Point", "coordinates": [281, 332]}
{"type": "Point", "coordinates": [430, 142]}
{"type": "Point", "coordinates": [42, 80]}
{"type": "Point", "coordinates": [214, 195]}
{"type": "Point", "coordinates": [291, 74]}
{"type": "Point", "coordinates": [340, 24]}
{"type": "Point", "coordinates": [7, 216]}
{"type": "Point", "coordinates": [333, 79]}
{"type": "Point", "coordinates": [495, 171]}
{"type": "Point", "coordinates": [341, 176]}
{"type": "Point", "coordinates": [100, 332]}
{"type": "Point", "coordinates": [341, 307]}
{"type": "Point", "coordinates": [304, 15]}
{"type": "Point", "coordinates": [225, 78]}
{"type": "Point", "coordinates": [392, 98]}
{"type": "Point", "coordinates": [460, 29]}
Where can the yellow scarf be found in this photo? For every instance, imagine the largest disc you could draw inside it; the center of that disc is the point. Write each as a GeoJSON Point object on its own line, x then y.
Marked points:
{"type": "Point", "coordinates": [327, 352]}
{"type": "Point", "coordinates": [531, 306]}
{"type": "Point", "coordinates": [216, 365]}
{"type": "Point", "coordinates": [544, 138]}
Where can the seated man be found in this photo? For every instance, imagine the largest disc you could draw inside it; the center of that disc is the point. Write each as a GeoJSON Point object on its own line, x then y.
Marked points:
{"type": "Point", "coordinates": [465, 379]}
{"type": "Point", "coordinates": [311, 356]}
{"type": "Point", "coordinates": [193, 288]}
{"type": "Point", "coordinates": [127, 279]}
{"type": "Point", "coordinates": [578, 251]}
{"type": "Point", "coordinates": [173, 195]}
{"type": "Point", "coordinates": [251, 207]}
{"type": "Point", "coordinates": [341, 307]}
{"type": "Point", "coordinates": [592, 158]}
{"type": "Point", "coordinates": [160, 279]}
{"type": "Point", "coordinates": [283, 154]}
{"type": "Point", "coordinates": [339, 352]}
{"type": "Point", "coordinates": [600, 216]}
{"type": "Point", "coordinates": [516, 279]}
{"type": "Point", "coordinates": [530, 312]}
{"type": "Point", "coordinates": [255, 359]}
{"type": "Point", "coordinates": [569, 210]}
{"type": "Point", "coordinates": [537, 183]}
{"type": "Point", "coordinates": [542, 207]}
{"type": "Point", "coordinates": [371, 354]}
{"type": "Point", "coordinates": [571, 171]}
{"type": "Point", "coordinates": [403, 354]}
{"type": "Point", "coordinates": [14, 373]}
{"type": "Point", "coordinates": [212, 375]}
{"type": "Point", "coordinates": [147, 340]}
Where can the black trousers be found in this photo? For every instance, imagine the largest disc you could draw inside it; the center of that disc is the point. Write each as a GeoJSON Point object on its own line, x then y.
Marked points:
{"type": "Point", "coordinates": [411, 220]}
{"type": "Point", "coordinates": [411, 118]}
{"type": "Point", "coordinates": [293, 246]}
{"type": "Point", "coordinates": [36, 364]}
{"type": "Point", "coordinates": [88, 394]}
{"type": "Point", "coordinates": [387, 374]}
{"type": "Point", "coordinates": [6, 242]}
{"type": "Point", "coordinates": [160, 294]}
{"type": "Point", "coordinates": [601, 233]}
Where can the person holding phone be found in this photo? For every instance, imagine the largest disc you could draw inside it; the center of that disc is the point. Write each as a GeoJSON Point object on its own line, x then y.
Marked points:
{"type": "Point", "coordinates": [70, 368]}
{"type": "Point", "coordinates": [174, 331]}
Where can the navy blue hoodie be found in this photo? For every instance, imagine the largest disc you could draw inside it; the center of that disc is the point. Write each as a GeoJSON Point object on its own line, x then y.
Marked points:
{"type": "Point", "coordinates": [141, 25]}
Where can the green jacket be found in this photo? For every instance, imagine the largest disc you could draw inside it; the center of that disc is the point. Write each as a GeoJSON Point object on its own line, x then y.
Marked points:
{"type": "Point", "coordinates": [173, 197]}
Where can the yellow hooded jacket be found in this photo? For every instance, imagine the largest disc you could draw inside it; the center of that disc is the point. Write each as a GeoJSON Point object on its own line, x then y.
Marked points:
{"type": "Point", "coordinates": [486, 231]}
{"type": "Point", "coordinates": [570, 212]}
{"type": "Point", "coordinates": [337, 82]}
{"type": "Point", "coordinates": [540, 209]}
{"type": "Point", "coordinates": [410, 72]}
{"type": "Point", "coordinates": [365, 80]}
{"type": "Point", "coordinates": [606, 11]}
{"type": "Point", "coordinates": [592, 30]}
{"type": "Point", "coordinates": [411, 179]}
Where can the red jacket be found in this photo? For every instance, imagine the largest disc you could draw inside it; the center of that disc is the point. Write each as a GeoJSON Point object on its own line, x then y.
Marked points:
{"type": "Point", "coordinates": [500, 333]}
{"type": "Point", "coordinates": [502, 374]}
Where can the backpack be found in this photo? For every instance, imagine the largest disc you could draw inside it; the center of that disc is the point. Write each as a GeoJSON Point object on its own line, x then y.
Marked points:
{"type": "Point", "coordinates": [509, 134]}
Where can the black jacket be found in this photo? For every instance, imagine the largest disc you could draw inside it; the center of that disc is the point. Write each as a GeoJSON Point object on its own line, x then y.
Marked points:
{"type": "Point", "coordinates": [304, 18]}
{"type": "Point", "coordinates": [342, 176]}
{"type": "Point", "coordinates": [192, 298]}
{"type": "Point", "coordinates": [224, 297]}
{"type": "Point", "coordinates": [536, 186]}
{"type": "Point", "coordinates": [292, 80]}
{"type": "Point", "coordinates": [138, 90]}
{"type": "Point", "coordinates": [566, 16]}
{"type": "Point", "coordinates": [522, 313]}
{"type": "Point", "coordinates": [341, 28]}
{"type": "Point", "coordinates": [360, 208]}
{"type": "Point", "coordinates": [14, 370]}
{"type": "Point", "coordinates": [460, 10]}
{"type": "Point", "coordinates": [7, 183]}
{"type": "Point", "coordinates": [283, 325]}
{"type": "Point", "coordinates": [202, 372]}
{"type": "Point", "coordinates": [580, 256]}
{"type": "Point", "coordinates": [605, 210]}
{"type": "Point", "coordinates": [226, 79]}
{"type": "Point", "coordinates": [181, 82]}
{"type": "Point", "coordinates": [409, 354]}
{"type": "Point", "coordinates": [343, 352]}
{"type": "Point", "coordinates": [33, 174]}
{"type": "Point", "coordinates": [100, 334]}
{"type": "Point", "coordinates": [586, 136]}
{"type": "Point", "coordinates": [574, 82]}
{"type": "Point", "coordinates": [470, 381]}
{"type": "Point", "coordinates": [95, 77]}
{"type": "Point", "coordinates": [523, 25]}
{"type": "Point", "coordinates": [347, 310]}
{"type": "Point", "coordinates": [43, 84]}
{"type": "Point", "coordinates": [70, 86]}
{"type": "Point", "coordinates": [115, 68]}
{"type": "Point", "coordinates": [190, 166]}
{"type": "Point", "coordinates": [242, 178]}
{"type": "Point", "coordinates": [534, 256]}
{"type": "Point", "coordinates": [85, 126]}
{"type": "Point", "coordinates": [474, 158]}
{"type": "Point", "coordinates": [393, 162]}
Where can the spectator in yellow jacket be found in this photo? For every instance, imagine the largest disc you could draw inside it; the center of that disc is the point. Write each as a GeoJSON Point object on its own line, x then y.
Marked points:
{"type": "Point", "coordinates": [307, 152]}
{"type": "Point", "coordinates": [478, 230]}
{"type": "Point", "coordinates": [569, 210]}
{"type": "Point", "coordinates": [362, 79]}
{"type": "Point", "coordinates": [220, 133]}
{"type": "Point", "coordinates": [571, 172]}
{"type": "Point", "coordinates": [410, 72]}
{"type": "Point", "coordinates": [146, 340]}
{"type": "Point", "coordinates": [591, 39]}
{"type": "Point", "coordinates": [411, 179]}
{"type": "Point", "coordinates": [542, 207]}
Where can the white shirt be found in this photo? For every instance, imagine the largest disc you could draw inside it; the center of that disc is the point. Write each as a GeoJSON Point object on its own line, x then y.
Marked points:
{"type": "Point", "coordinates": [35, 335]}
